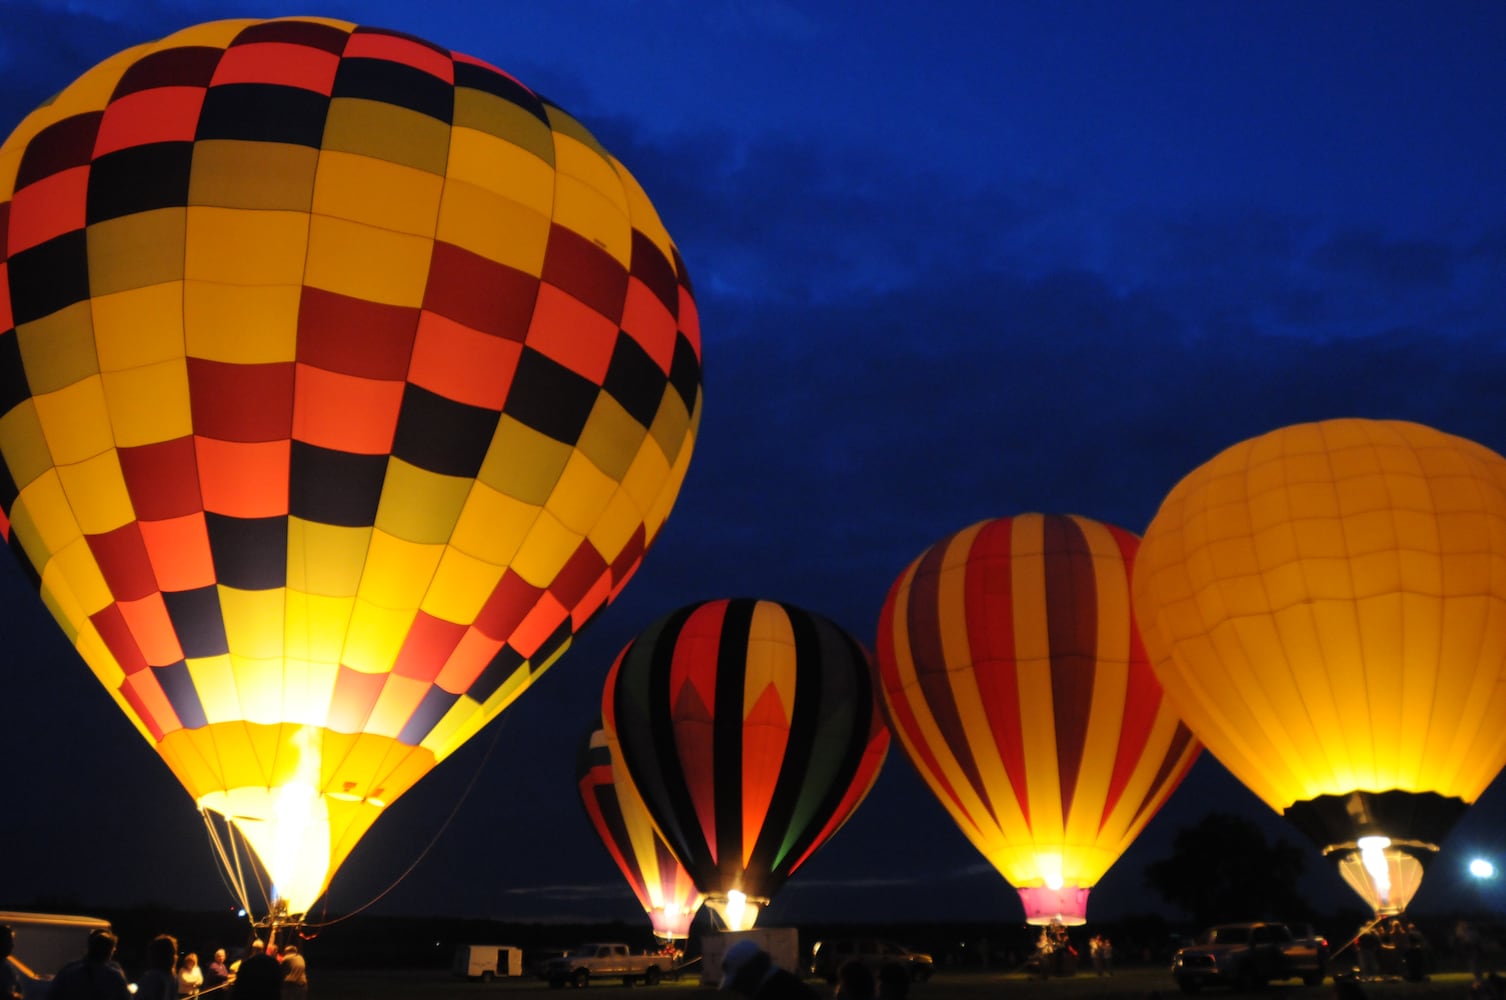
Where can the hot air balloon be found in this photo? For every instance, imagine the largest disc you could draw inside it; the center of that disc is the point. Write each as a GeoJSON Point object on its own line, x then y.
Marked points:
{"type": "Point", "coordinates": [752, 731]}
{"type": "Point", "coordinates": [1326, 606]}
{"type": "Point", "coordinates": [661, 883]}
{"type": "Point", "coordinates": [1014, 678]}
{"type": "Point", "coordinates": [344, 379]}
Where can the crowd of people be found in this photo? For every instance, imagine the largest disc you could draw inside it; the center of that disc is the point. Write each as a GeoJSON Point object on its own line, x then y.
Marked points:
{"type": "Point", "coordinates": [266, 972]}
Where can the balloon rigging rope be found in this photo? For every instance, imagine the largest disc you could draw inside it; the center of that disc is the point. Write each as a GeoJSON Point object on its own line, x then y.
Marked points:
{"type": "Point", "coordinates": [470, 787]}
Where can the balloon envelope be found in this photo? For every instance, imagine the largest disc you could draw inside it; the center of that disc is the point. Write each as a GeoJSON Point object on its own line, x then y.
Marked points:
{"type": "Point", "coordinates": [752, 731]}
{"type": "Point", "coordinates": [1326, 605]}
{"type": "Point", "coordinates": [663, 887]}
{"type": "Point", "coordinates": [1014, 678]}
{"type": "Point", "coordinates": [342, 379]}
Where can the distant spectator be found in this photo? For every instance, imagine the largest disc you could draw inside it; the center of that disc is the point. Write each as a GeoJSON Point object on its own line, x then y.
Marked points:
{"type": "Point", "coordinates": [10, 985]}
{"type": "Point", "coordinates": [748, 971]}
{"type": "Point", "coordinates": [295, 978]}
{"type": "Point", "coordinates": [93, 977]}
{"type": "Point", "coordinates": [216, 973]}
{"type": "Point", "coordinates": [160, 980]}
{"type": "Point", "coordinates": [855, 981]}
{"type": "Point", "coordinates": [190, 976]}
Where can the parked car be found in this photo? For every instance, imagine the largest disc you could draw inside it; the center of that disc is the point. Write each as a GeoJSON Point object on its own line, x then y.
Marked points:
{"type": "Point", "coordinates": [827, 957]}
{"type": "Point", "coordinates": [1247, 956]}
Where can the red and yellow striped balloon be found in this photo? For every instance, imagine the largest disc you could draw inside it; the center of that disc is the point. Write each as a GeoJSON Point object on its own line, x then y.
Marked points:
{"type": "Point", "coordinates": [1014, 677]}
{"type": "Point", "coordinates": [664, 888]}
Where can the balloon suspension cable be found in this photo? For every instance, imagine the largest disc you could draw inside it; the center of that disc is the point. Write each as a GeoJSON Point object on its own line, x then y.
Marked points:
{"type": "Point", "coordinates": [470, 786]}
{"type": "Point", "coordinates": [230, 868]}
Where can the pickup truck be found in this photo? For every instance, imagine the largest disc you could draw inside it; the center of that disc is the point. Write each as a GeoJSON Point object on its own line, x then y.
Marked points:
{"type": "Point", "coordinates": [1247, 956]}
{"type": "Point", "coordinates": [605, 960]}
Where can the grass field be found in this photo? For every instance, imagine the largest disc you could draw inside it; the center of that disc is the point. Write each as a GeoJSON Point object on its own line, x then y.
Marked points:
{"type": "Point", "coordinates": [1129, 984]}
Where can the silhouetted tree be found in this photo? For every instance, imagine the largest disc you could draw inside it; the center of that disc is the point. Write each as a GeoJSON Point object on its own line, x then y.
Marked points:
{"type": "Point", "coordinates": [1222, 870]}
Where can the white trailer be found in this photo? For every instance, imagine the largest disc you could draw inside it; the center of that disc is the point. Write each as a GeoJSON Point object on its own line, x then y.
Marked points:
{"type": "Point", "coordinates": [782, 944]}
{"type": "Point", "coordinates": [487, 961]}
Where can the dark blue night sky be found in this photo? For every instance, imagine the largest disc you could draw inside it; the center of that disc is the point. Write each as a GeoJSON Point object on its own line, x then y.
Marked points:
{"type": "Point", "coordinates": [953, 261]}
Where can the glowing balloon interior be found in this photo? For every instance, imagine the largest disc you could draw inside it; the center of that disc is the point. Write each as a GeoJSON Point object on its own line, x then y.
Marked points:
{"type": "Point", "coordinates": [1326, 606]}
{"type": "Point", "coordinates": [752, 731]}
{"type": "Point", "coordinates": [342, 380]}
{"type": "Point", "coordinates": [1014, 678]}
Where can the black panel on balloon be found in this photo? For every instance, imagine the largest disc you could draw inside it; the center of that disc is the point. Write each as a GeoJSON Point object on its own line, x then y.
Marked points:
{"type": "Point", "coordinates": [550, 398]}
{"type": "Point", "coordinates": [436, 702]}
{"type": "Point", "coordinates": [49, 276]}
{"type": "Point", "coordinates": [394, 83]}
{"type": "Point", "coordinates": [263, 112]}
{"type": "Point", "coordinates": [197, 620]}
{"type": "Point", "coordinates": [334, 487]}
{"type": "Point", "coordinates": [503, 665]}
{"type": "Point", "coordinates": [13, 387]}
{"type": "Point", "coordinates": [489, 81]}
{"type": "Point", "coordinates": [634, 380]}
{"type": "Point", "coordinates": [250, 553]}
{"type": "Point", "coordinates": [441, 435]}
{"type": "Point", "coordinates": [177, 684]}
{"type": "Point", "coordinates": [685, 372]}
{"type": "Point", "coordinates": [139, 179]}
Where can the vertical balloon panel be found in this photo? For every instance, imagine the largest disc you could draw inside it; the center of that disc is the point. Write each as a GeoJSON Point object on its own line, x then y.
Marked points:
{"type": "Point", "coordinates": [664, 888]}
{"type": "Point", "coordinates": [344, 379]}
{"type": "Point", "coordinates": [1014, 678]}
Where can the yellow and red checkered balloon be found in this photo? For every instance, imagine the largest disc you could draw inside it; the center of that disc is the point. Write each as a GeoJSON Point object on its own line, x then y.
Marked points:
{"type": "Point", "coordinates": [342, 380]}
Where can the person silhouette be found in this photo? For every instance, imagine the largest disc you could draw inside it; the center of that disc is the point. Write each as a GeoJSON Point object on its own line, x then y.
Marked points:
{"type": "Point", "coordinates": [748, 971]}
{"type": "Point", "coordinates": [93, 977]}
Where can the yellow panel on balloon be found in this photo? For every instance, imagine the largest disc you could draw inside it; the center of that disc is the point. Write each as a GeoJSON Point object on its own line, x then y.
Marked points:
{"type": "Point", "coordinates": [616, 526]}
{"type": "Point", "coordinates": [58, 349]}
{"type": "Point", "coordinates": [266, 176]}
{"type": "Point", "coordinates": [243, 325]}
{"type": "Point", "coordinates": [326, 559]}
{"type": "Point", "coordinates": [376, 636]}
{"type": "Point", "coordinates": [420, 506]}
{"type": "Point", "coordinates": [488, 114]}
{"type": "Point", "coordinates": [523, 463]}
{"type": "Point", "coordinates": [503, 168]}
{"type": "Point", "coordinates": [24, 445]}
{"type": "Point", "coordinates": [138, 327]}
{"type": "Point", "coordinates": [395, 705]}
{"type": "Point", "coordinates": [237, 247]}
{"type": "Point", "coordinates": [253, 622]}
{"type": "Point", "coordinates": [611, 437]}
{"type": "Point", "coordinates": [644, 476]}
{"type": "Point", "coordinates": [316, 626]}
{"type": "Point", "coordinates": [493, 525]}
{"type": "Point", "coordinates": [387, 132]}
{"type": "Point", "coordinates": [397, 571]}
{"type": "Point", "coordinates": [673, 425]}
{"type": "Point", "coordinates": [545, 551]}
{"type": "Point", "coordinates": [308, 688]}
{"type": "Point", "coordinates": [493, 226]}
{"type": "Point", "coordinates": [368, 263]}
{"type": "Point", "coordinates": [581, 495]}
{"type": "Point", "coordinates": [137, 251]}
{"type": "Point", "coordinates": [149, 404]}
{"type": "Point", "coordinates": [96, 492]}
{"type": "Point", "coordinates": [214, 679]}
{"type": "Point", "coordinates": [460, 587]}
{"type": "Point", "coordinates": [42, 518]}
{"type": "Point", "coordinates": [583, 209]}
{"type": "Point", "coordinates": [377, 193]}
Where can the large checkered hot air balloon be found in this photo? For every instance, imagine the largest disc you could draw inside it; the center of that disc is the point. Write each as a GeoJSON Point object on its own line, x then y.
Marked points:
{"type": "Point", "coordinates": [664, 888]}
{"type": "Point", "coordinates": [344, 379]}
{"type": "Point", "coordinates": [1326, 606]}
{"type": "Point", "coordinates": [752, 730]}
{"type": "Point", "coordinates": [1014, 678]}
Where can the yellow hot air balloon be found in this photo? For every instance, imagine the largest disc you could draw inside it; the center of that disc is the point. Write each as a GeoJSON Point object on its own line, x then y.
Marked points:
{"type": "Point", "coordinates": [342, 380]}
{"type": "Point", "coordinates": [1326, 606]}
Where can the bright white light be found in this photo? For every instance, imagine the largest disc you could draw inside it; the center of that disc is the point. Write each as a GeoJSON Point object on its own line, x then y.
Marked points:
{"type": "Point", "coordinates": [1373, 855]}
{"type": "Point", "coordinates": [1481, 868]}
{"type": "Point", "coordinates": [1050, 866]}
{"type": "Point", "coordinates": [737, 908]}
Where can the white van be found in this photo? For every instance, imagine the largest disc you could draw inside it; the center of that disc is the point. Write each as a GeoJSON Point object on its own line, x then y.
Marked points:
{"type": "Point", "coordinates": [45, 942]}
{"type": "Point", "coordinates": [487, 961]}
